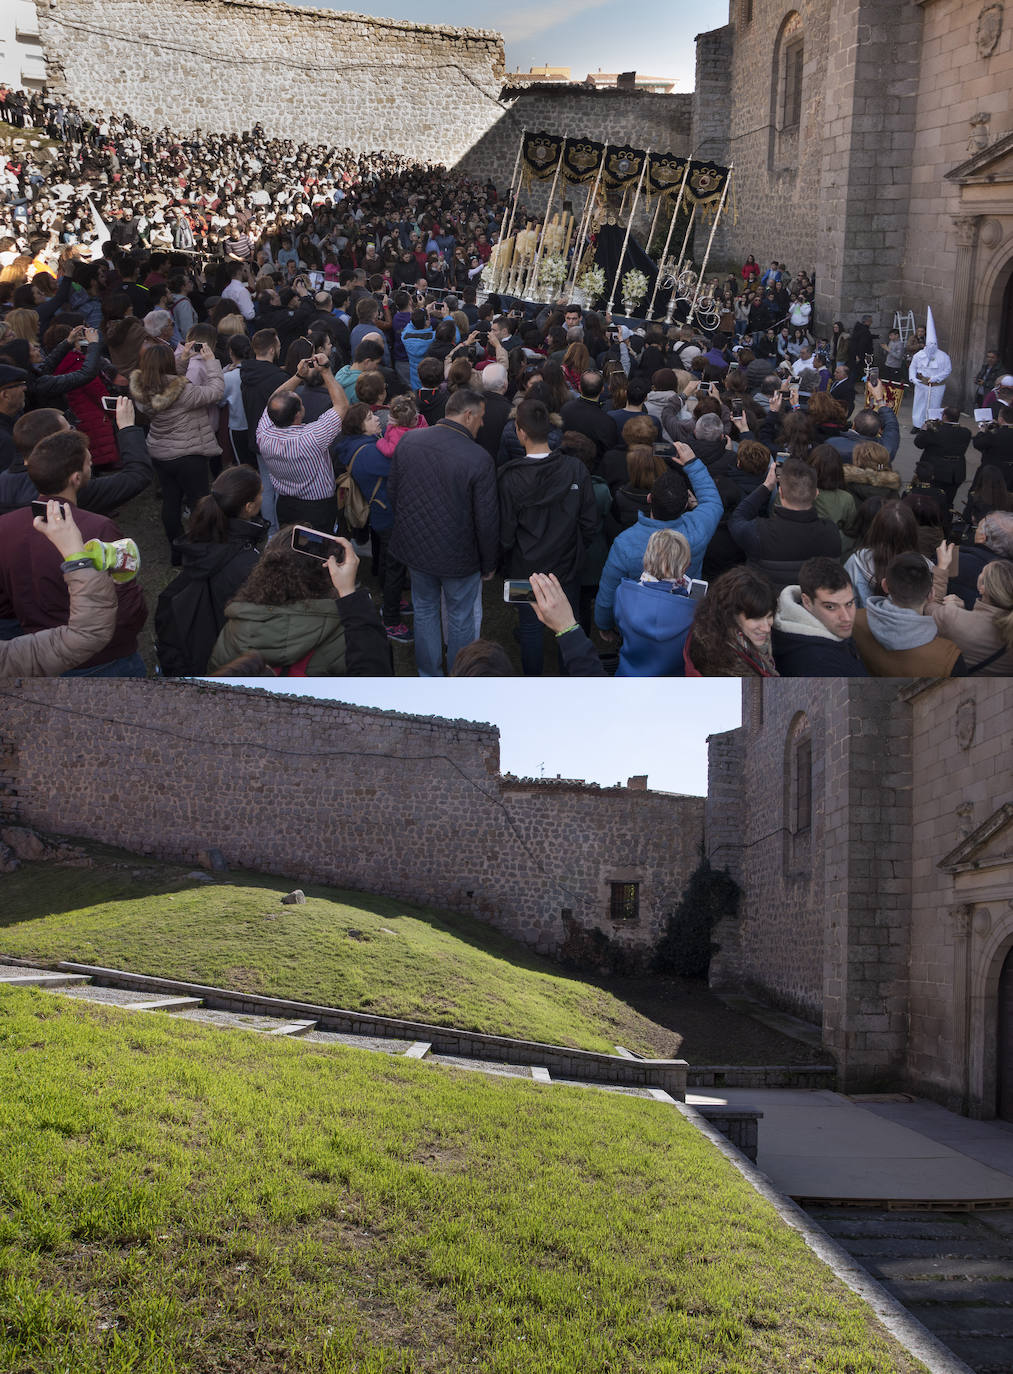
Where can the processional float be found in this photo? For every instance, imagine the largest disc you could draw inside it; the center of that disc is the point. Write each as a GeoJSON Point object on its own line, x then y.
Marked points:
{"type": "Point", "coordinates": [554, 257]}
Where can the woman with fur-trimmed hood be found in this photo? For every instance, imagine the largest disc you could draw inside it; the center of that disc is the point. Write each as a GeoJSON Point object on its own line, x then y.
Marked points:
{"type": "Point", "coordinates": [870, 474]}
{"type": "Point", "coordinates": [181, 440]}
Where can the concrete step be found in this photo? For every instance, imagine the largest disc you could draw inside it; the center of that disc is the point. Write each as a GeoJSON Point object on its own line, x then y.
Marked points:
{"type": "Point", "coordinates": [961, 1292]}
{"type": "Point", "coordinates": [418, 1049]}
{"type": "Point", "coordinates": [166, 1004]}
{"type": "Point", "coordinates": [42, 979]}
{"type": "Point", "coordinates": [293, 1028]}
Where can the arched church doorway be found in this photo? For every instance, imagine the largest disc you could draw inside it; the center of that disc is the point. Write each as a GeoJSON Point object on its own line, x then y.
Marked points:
{"type": "Point", "coordinates": [1004, 1041]}
{"type": "Point", "coordinates": [1006, 322]}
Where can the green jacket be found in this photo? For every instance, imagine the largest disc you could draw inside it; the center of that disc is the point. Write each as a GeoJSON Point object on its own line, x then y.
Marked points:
{"type": "Point", "coordinates": [842, 508]}
{"type": "Point", "coordinates": [284, 635]}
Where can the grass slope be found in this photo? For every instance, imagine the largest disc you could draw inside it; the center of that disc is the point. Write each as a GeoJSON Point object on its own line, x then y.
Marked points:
{"type": "Point", "coordinates": [340, 949]}
{"type": "Point", "coordinates": [174, 1198]}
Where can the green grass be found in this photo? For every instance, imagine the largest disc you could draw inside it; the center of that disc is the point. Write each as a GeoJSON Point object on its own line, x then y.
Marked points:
{"type": "Point", "coordinates": [356, 951]}
{"type": "Point", "coordinates": [339, 949]}
{"type": "Point", "coordinates": [179, 1199]}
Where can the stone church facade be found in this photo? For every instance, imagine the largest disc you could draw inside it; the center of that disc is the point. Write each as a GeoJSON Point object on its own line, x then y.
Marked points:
{"type": "Point", "coordinates": [873, 143]}
{"type": "Point", "coordinates": [870, 826]}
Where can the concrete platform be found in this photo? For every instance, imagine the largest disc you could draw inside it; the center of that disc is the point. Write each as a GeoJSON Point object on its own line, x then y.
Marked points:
{"type": "Point", "coordinates": [821, 1146]}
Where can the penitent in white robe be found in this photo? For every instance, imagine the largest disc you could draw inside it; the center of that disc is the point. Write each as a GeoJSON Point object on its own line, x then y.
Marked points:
{"type": "Point", "coordinates": [934, 364]}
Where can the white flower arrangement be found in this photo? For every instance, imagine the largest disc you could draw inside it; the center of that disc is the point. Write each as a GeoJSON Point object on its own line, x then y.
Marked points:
{"type": "Point", "coordinates": [634, 288]}
{"type": "Point", "coordinates": [552, 272]}
{"type": "Point", "coordinates": [592, 282]}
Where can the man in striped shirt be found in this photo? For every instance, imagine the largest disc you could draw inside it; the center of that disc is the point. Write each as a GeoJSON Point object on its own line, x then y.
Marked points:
{"type": "Point", "coordinates": [296, 454]}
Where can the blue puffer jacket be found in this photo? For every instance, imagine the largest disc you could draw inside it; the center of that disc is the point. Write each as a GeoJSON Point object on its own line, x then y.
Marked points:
{"type": "Point", "coordinates": [415, 343]}
{"type": "Point", "coordinates": [654, 619]}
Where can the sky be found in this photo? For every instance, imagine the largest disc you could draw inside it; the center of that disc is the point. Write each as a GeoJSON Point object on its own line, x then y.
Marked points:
{"type": "Point", "coordinates": [603, 732]}
{"type": "Point", "coordinates": [654, 37]}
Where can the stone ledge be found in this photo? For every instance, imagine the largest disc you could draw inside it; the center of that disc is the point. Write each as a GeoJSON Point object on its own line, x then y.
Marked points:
{"type": "Point", "coordinates": [815, 1076]}
{"type": "Point", "coordinates": [561, 1061]}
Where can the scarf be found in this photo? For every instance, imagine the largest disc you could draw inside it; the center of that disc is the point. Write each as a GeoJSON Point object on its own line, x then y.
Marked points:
{"type": "Point", "coordinates": [760, 660]}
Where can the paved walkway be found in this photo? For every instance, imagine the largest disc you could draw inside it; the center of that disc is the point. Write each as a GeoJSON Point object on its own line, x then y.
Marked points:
{"type": "Point", "coordinates": [822, 1146]}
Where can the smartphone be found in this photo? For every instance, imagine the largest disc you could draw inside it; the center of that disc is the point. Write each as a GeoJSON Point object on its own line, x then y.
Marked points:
{"type": "Point", "coordinates": [874, 376]}
{"type": "Point", "coordinates": [697, 589]}
{"type": "Point", "coordinates": [109, 402]}
{"type": "Point", "coordinates": [780, 457]}
{"type": "Point", "coordinates": [316, 545]}
{"type": "Point", "coordinates": [41, 508]}
{"type": "Point", "coordinates": [516, 590]}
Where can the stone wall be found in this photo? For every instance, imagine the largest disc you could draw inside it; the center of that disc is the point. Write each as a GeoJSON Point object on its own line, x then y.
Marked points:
{"type": "Point", "coordinates": [958, 83]}
{"type": "Point", "coordinates": [306, 74]}
{"type": "Point", "coordinates": [961, 916]}
{"type": "Point", "coordinates": [405, 806]}
{"type": "Point", "coordinates": [780, 944]}
{"type": "Point", "coordinates": [777, 171]}
{"type": "Point", "coordinates": [431, 91]}
{"type": "Point", "coordinates": [644, 119]}
{"type": "Point", "coordinates": [872, 78]}
{"type": "Point", "coordinates": [877, 924]}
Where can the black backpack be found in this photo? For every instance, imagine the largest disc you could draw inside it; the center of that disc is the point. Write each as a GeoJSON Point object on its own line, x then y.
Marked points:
{"type": "Point", "coordinates": [187, 624]}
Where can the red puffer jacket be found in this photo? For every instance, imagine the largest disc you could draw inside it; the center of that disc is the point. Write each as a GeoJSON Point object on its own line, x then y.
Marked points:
{"type": "Point", "coordinates": [89, 417]}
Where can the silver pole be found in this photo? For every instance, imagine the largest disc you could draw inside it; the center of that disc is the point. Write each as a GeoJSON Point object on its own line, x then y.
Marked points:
{"type": "Point", "coordinates": [533, 275]}
{"type": "Point", "coordinates": [578, 251]}
{"type": "Point", "coordinates": [710, 241]}
{"type": "Point", "coordinates": [668, 240]}
{"type": "Point", "coordinates": [629, 226]}
{"type": "Point", "coordinates": [503, 232]}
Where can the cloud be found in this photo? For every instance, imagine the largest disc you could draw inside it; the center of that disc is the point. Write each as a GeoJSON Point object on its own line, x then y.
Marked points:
{"type": "Point", "coordinates": [527, 21]}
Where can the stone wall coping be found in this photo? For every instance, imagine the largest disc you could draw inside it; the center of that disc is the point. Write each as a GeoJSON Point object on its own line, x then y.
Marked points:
{"type": "Point", "coordinates": [325, 703]}
{"type": "Point", "coordinates": [560, 88]}
{"type": "Point", "coordinates": [720, 1111]}
{"type": "Point", "coordinates": [511, 782]}
{"type": "Point", "coordinates": [591, 1065]}
{"type": "Point", "coordinates": [349, 16]}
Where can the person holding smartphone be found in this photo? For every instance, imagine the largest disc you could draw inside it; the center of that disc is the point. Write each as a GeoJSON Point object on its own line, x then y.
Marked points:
{"type": "Point", "coordinates": [92, 614]}
{"type": "Point", "coordinates": [305, 614]}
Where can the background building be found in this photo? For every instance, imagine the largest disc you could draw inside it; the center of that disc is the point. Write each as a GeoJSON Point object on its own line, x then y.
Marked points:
{"type": "Point", "coordinates": [870, 825]}
{"type": "Point", "coordinates": [872, 143]}
{"type": "Point", "coordinates": [22, 64]}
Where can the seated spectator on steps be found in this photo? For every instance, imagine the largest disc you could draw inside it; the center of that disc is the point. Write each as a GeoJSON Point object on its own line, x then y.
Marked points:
{"type": "Point", "coordinates": [813, 624]}
{"type": "Point", "coordinates": [897, 634]}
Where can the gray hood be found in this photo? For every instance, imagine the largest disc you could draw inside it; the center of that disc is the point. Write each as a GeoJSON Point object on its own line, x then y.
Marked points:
{"type": "Point", "coordinates": [792, 618]}
{"type": "Point", "coordinates": [896, 628]}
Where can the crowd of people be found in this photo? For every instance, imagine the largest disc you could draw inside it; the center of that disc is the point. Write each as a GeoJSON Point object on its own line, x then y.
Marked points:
{"type": "Point", "coordinates": [359, 459]}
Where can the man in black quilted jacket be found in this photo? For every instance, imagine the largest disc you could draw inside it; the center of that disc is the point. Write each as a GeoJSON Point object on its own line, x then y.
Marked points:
{"type": "Point", "coordinates": [442, 487]}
